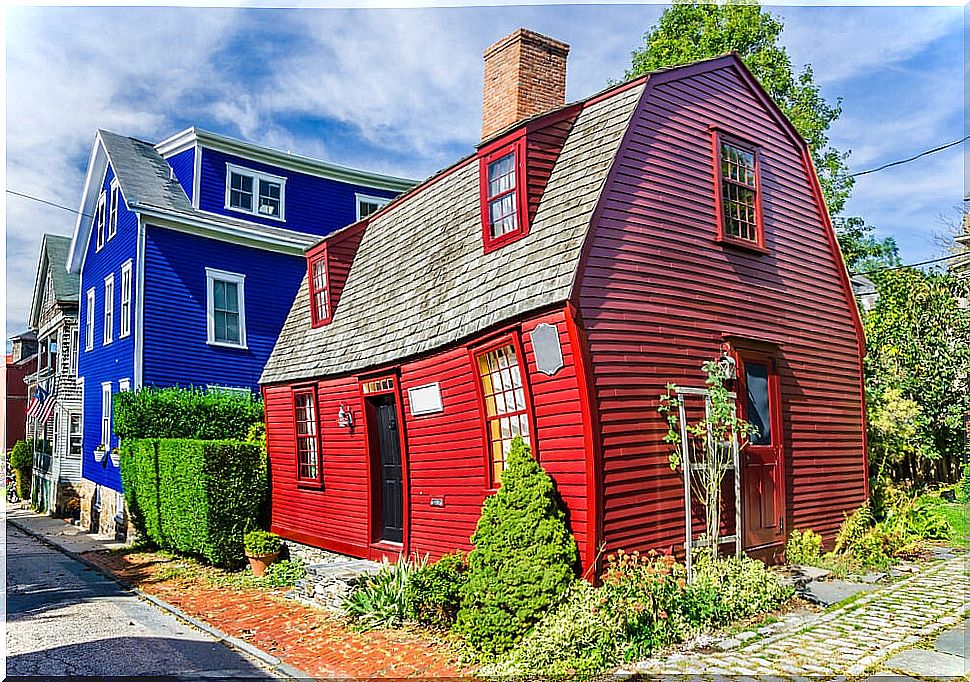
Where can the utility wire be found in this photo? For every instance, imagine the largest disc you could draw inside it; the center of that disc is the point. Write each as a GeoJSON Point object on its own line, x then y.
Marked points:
{"type": "Point", "coordinates": [912, 158]}
{"type": "Point", "coordinates": [49, 203]}
{"type": "Point", "coordinates": [965, 254]}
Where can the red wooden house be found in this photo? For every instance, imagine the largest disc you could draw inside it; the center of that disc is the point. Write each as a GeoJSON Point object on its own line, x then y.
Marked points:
{"type": "Point", "coordinates": [550, 285]}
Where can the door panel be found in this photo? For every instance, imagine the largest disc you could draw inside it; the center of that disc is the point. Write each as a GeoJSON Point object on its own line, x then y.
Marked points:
{"type": "Point", "coordinates": [763, 504]}
{"type": "Point", "coordinates": [391, 522]}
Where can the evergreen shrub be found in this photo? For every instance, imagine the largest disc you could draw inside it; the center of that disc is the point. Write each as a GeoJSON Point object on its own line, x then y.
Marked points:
{"type": "Point", "coordinates": [433, 594]}
{"type": "Point", "coordinates": [22, 462]}
{"type": "Point", "coordinates": [185, 413]}
{"type": "Point", "coordinates": [524, 558]}
{"type": "Point", "coordinates": [197, 497]}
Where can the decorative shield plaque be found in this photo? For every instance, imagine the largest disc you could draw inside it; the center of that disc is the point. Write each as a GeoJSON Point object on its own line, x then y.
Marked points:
{"type": "Point", "coordinates": [545, 343]}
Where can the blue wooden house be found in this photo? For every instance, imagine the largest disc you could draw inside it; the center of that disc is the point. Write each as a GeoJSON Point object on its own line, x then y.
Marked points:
{"type": "Point", "coordinates": [190, 252]}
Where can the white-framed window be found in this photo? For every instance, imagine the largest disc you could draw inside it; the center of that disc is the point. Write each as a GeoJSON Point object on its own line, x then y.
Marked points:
{"type": "Point", "coordinates": [125, 311]}
{"type": "Point", "coordinates": [75, 342]}
{"type": "Point", "coordinates": [368, 204]}
{"type": "Point", "coordinates": [228, 390]}
{"type": "Point", "coordinates": [113, 209]}
{"type": "Point", "coordinates": [109, 308]}
{"type": "Point", "coordinates": [124, 385]}
{"type": "Point", "coordinates": [74, 434]}
{"type": "Point", "coordinates": [106, 414]}
{"type": "Point", "coordinates": [99, 221]}
{"type": "Point", "coordinates": [225, 308]}
{"type": "Point", "coordinates": [89, 321]}
{"type": "Point", "coordinates": [256, 193]}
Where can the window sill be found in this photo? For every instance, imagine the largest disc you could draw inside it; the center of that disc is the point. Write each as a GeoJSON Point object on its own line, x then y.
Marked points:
{"type": "Point", "coordinates": [124, 336]}
{"type": "Point", "coordinates": [743, 245]}
{"type": "Point", "coordinates": [309, 486]}
{"type": "Point", "coordinates": [106, 343]}
{"type": "Point", "coordinates": [251, 214]}
{"type": "Point", "coordinates": [220, 344]}
{"type": "Point", "coordinates": [387, 545]}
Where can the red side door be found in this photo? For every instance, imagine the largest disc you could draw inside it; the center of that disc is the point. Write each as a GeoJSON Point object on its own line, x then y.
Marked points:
{"type": "Point", "coordinates": [762, 461]}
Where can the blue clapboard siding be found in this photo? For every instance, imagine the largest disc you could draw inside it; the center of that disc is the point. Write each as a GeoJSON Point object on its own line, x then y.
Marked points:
{"type": "Point", "coordinates": [312, 204]}
{"type": "Point", "coordinates": [183, 166]}
{"type": "Point", "coordinates": [176, 350]}
{"type": "Point", "coordinates": [105, 362]}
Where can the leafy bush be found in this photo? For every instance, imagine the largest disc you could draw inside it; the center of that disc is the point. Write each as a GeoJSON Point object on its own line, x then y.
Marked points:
{"type": "Point", "coordinates": [804, 548]}
{"type": "Point", "coordinates": [197, 497]}
{"type": "Point", "coordinates": [22, 462]}
{"type": "Point", "coordinates": [854, 527]}
{"type": "Point", "coordinates": [524, 558]}
{"type": "Point", "coordinates": [646, 592]}
{"type": "Point", "coordinates": [727, 589]}
{"type": "Point", "coordinates": [283, 573]}
{"type": "Point", "coordinates": [433, 593]}
{"type": "Point", "coordinates": [582, 636]}
{"type": "Point", "coordinates": [261, 543]}
{"type": "Point", "coordinates": [185, 413]}
{"type": "Point", "coordinates": [963, 489]}
{"type": "Point", "coordinates": [378, 601]}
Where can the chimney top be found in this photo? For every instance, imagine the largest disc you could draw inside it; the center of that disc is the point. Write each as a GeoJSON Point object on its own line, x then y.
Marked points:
{"type": "Point", "coordinates": [525, 75]}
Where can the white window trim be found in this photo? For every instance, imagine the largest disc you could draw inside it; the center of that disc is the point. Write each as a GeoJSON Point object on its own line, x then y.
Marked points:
{"type": "Point", "coordinates": [109, 306]}
{"type": "Point", "coordinates": [99, 222]}
{"type": "Point", "coordinates": [113, 208]}
{"type": "Point", "coordinates": [211, 275]}
{"type": "Point", "coordinates": [230, 390]}
{"type": "Point", "coordinates": [124, 385]}
{"type": "Point", "coordinates": [89, 321]}
{"type": "Point", "coordinates": [125, 318]}
{"type": "Point", "coordinates": [380, 201]}
{"type": "Point", "coordinates": [256, 176]}
{"type": "Point", "coordinates": [75, 348]}
{"type": "Point", "coordinates": [106, 414]}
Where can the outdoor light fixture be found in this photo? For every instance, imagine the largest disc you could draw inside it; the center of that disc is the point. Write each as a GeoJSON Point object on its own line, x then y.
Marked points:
{"type": "Point", "coordinates": [345, 418]}
{"type": "Point", "coordinates": [727, 364]}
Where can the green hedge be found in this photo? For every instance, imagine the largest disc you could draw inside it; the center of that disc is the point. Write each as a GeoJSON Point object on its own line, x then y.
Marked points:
{"type": "Point", "coordinates": [22, 462]}
{"type": "Point", "coordinates": [185, 413]}
{"type": "Point", "coordinates": [194, 496]}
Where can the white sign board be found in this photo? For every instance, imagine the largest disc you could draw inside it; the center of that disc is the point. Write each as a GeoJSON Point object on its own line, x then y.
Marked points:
{"type": "Point", "coordinates": [425, 399]}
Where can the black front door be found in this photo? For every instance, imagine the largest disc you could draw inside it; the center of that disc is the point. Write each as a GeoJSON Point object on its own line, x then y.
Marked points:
{"type": "Point", "coordinates": [391, 515]}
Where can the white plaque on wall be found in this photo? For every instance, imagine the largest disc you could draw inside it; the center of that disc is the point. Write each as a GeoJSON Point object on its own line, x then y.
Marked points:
{"type": "Point", "coordinates": [425, 399]}
{"type": "Point", "coordinates": [545, 344]}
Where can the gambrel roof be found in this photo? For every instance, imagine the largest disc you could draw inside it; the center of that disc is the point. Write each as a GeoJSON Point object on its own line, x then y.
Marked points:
{"type": "Point", "coordinates": [53, 260]}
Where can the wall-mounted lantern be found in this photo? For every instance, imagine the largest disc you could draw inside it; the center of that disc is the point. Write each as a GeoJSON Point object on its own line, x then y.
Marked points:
{"type": "Point", "coordinates": [727, 364]}
{"type": "Point", "coordinates": [345, 417]}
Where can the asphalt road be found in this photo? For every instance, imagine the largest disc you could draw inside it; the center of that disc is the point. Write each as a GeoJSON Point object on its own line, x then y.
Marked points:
{"type": "Point", "coordinates": [66, 619]}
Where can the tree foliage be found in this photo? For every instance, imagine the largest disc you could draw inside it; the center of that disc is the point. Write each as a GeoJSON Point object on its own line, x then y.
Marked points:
{"type": "Point", "coordinates": [917, 370]}
{"type": "Point", "coordinates": [689, 31]}
{"type": "Point", "coordinates": [860, 248]}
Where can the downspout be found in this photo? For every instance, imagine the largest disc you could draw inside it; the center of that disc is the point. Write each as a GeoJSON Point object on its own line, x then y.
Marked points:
{"type": "Point", "coordinates": [139, 306]}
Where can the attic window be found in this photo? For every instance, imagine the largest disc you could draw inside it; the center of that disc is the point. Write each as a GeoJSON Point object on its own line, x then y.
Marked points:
{"type": "Point", "coordinates": [738, 192]}
{"type": "Point", "coordinates": [249, 191]}
{"type": "Point", "coordinates": [503, 197]}
{"type": "Point", "coordinates": [320, 312]}
{"type": "Point", "coordinates": [99, 222]}
{"type": "Point", "coordinates": [367, 205]}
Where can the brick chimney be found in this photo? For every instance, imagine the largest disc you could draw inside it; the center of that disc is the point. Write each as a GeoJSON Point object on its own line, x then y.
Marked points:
{"type": "Point", "coordinates": [525, 75]}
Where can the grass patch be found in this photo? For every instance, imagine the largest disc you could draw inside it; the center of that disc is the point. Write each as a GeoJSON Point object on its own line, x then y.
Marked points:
{"type": "Point", "coordinates": [958, 516]}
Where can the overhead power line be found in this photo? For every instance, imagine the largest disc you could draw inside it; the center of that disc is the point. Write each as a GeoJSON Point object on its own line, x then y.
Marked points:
{"type": "Point", "coordinates": [912, 158]}
{"type": "Point", "coordinates": [965, 254]}
{"type": "Point", "coordinates": [49, 203]}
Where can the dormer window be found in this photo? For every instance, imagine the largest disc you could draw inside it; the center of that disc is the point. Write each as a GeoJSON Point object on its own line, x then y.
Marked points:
{"type": "Point", "coordinates": [504, 214]}
{"type": "Point", "coordinates": [738, 192]}
{"type": "Point", "coordinates": [320, 311]}
{"type": "Point", "coordinates": [367, 205]}
{"type": "Point", "coordinates": [249, 191]}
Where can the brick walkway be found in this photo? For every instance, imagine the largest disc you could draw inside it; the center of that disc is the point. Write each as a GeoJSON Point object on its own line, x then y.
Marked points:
{"type": "Point", "coordinates": [850, 640]}
{"type": "Point", "coordinates": [317, 642]}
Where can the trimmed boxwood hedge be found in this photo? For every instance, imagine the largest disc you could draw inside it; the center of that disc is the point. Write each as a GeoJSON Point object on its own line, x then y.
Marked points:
{"type": "Point", "coordinates": [194, 496]}
{"type": "Point", "coordinates": [185, 413]}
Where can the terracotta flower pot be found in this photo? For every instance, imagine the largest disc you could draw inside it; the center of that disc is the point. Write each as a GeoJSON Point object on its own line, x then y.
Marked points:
{"type": "Point", "coordinates": [259, 562]}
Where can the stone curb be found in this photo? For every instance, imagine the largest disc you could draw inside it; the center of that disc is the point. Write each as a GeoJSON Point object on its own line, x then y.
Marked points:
{"type": "Point", "coordinates": [276, 665]}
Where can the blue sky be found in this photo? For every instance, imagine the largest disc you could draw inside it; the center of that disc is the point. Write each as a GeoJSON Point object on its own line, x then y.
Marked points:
{"type": "Point", "coordinates": [399, 91]}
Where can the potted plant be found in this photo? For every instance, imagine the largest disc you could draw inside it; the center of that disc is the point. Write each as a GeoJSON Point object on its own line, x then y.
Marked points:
{"type": "Point", "coordinates": [100, 452]}
{"type": "Point", "coordinates": [115, 455]}
{"type": "Point", "coordinates": [262, 548]}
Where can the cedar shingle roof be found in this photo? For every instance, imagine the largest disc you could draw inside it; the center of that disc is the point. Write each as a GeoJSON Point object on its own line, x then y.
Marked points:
{"type": "Point", "coordinates": [420, 279]}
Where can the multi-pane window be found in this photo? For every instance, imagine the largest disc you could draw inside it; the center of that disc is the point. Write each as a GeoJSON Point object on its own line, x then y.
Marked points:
{"type": "Point", "coordinates": [75, 341]}
{"type": "Point", "coordinates": [226, 308]}
{"type": "Point", "coordinates": [89, 321]}
{"type": "Point", "coordinates": [106, 414]}
{"type": "Point", "coordinates": [99, 221]}
{"type": "Point", "coordinates": [125, 311]}
{"type": "Point", "coordinates": [502, 213]}
{"type": "Point", "coordinates": [319, 294]}
{"type": "Point", "coordinates": [739, 192]}
{"type": "Point", "coordinates": [367, 205]}
{"type": "Point", "coordinates": [307, 442]}
{"type": "Point", "coordinates": [109, 308]}
{"type": "Point", "coordinates": [252, 192]}
{"type": "Point", "coordinates": [74, 435]}
{"type": "Point", "coordinates": [506, 410]}
{"type": "Point", "coordinates": [113, 210]}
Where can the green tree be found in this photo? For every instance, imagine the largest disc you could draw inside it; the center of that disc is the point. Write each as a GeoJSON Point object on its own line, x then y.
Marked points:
{"type": "Point", "coordinates": [860, 248]}
{"type": "Point", "coordinates": [689, 31]}
{"type": "Point", "coordinates": [524, 558]}
{"type": "Point", "coordinates": [918, 350]}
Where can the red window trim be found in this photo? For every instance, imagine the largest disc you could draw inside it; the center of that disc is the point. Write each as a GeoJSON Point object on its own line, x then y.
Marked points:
{"type": "Point", "coordinates": [514, 339]}
{"type": "Point", "coordinates": [757, 244]}
{"type": "Point", "coordinates": [312, 258]}
{"type": "Point", "coordinates": [302, 481]}
{"type": "Point", "coordinates": [487, 155]}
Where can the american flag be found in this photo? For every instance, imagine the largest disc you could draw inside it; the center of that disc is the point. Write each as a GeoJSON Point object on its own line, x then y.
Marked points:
{"type": "Point", "coordinates": [47, 408]}
{"type": "Point", "coordinates": [36, 403]}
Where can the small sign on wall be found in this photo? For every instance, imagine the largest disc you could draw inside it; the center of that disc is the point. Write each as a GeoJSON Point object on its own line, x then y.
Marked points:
{"type": "Point", "coordinates": [545, 344]}
{"type": "Point", "coordinates": [425, 399]}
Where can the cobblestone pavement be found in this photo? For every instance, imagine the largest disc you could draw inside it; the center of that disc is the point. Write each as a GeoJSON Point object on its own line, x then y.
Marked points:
{"type": "Point", "coordinates": [65, 619]}
{"type": "Point", "coordinates": [849, 640]}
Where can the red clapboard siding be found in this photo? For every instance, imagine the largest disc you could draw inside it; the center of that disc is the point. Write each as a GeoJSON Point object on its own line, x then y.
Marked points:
{"type": "Point", "coordinates": [445, 453]}
{"type": "Point", "coordinates": [658, 295]}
